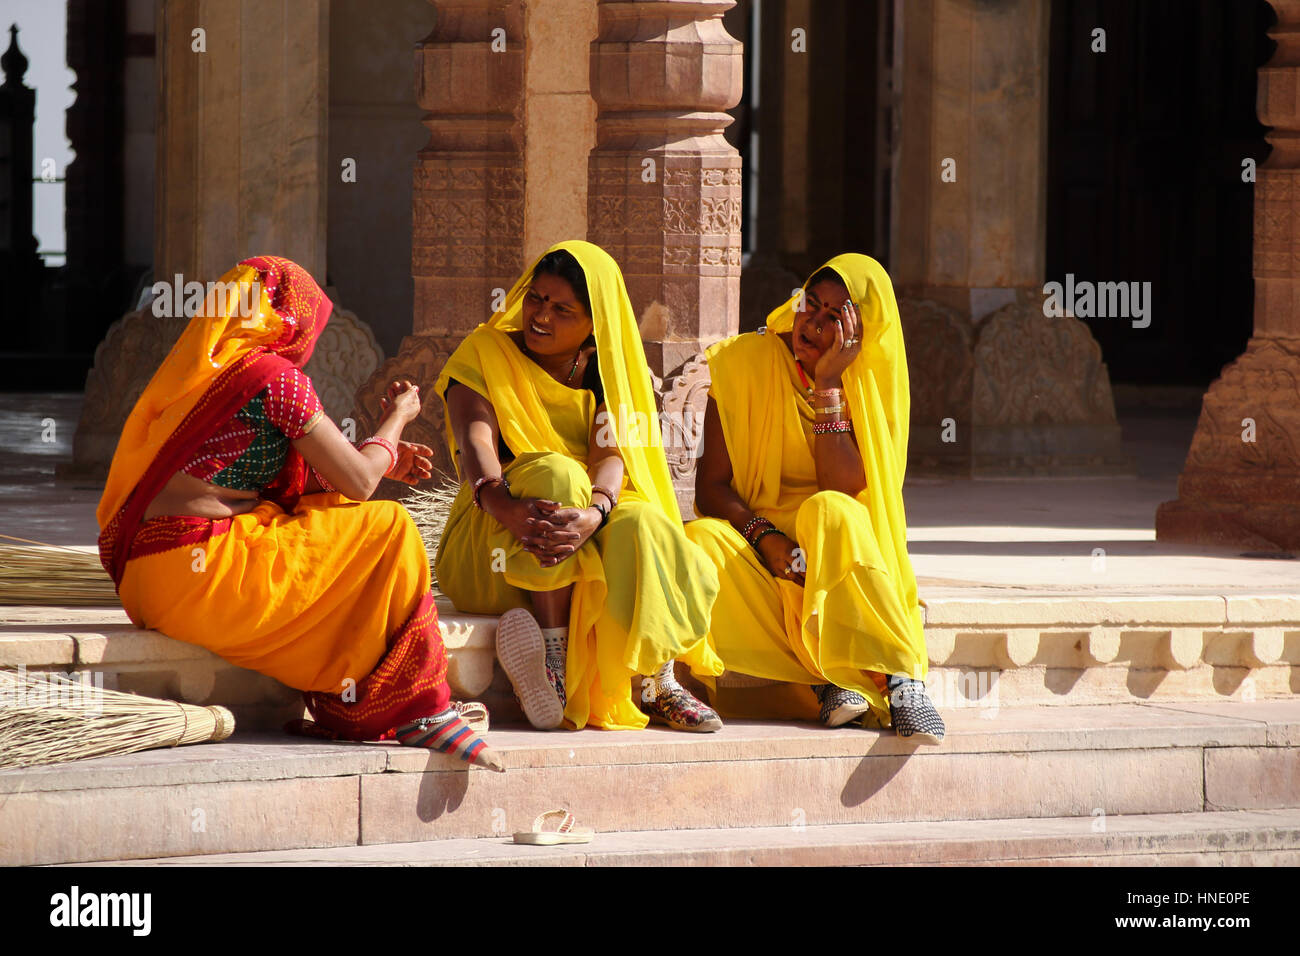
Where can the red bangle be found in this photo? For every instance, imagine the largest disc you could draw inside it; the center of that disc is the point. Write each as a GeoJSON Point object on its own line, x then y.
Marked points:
{"type": "Point", "coordinates": [386, 445]}
{"type": "Point", "coordinates": [489, 480]}
{"type": "Point", "coordinates": [754, 524]}
{"type": "Point", "coordinates": [831, 428]}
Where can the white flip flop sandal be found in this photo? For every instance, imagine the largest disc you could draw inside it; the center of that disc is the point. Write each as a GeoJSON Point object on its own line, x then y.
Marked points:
{"type": "Point", "coordinates": [564, 832]}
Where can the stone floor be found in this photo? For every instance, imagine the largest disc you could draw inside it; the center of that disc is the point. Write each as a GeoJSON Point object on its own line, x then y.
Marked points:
{"type": "Point", "coordinates": [1179, 780]}
{"type": "Point", "coordinates": [977, 538]}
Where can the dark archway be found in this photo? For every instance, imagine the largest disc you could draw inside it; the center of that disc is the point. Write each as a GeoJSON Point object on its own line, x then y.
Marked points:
{"type": "Point", "coordinates": [1146, 143]}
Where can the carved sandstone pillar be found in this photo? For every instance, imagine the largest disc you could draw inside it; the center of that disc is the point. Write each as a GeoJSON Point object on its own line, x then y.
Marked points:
{"type": "Point", "coordinates": [663, 193]}
{"type": "Point", "coordinates": [998, 388]}
{"type": "Point", "coordinates": [242, 126]}
{"type": "Point", "coordinates": [1240, 485]}
{"type": "Point", "coordinates": [468, 220]}
{"type": "Point", "coordinates": [243, 114]}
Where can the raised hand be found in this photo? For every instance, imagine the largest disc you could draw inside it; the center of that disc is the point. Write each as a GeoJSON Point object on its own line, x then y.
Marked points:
{"type": "Point", "coordinates": [402, 399]}
{"type": "Point", "coordinates": [843, 350]}
{"type": "Point", "coordinates": [414, 463]}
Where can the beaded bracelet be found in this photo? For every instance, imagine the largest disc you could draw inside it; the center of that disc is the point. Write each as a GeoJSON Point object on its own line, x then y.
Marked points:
{"type": "Point", "coordinates": [831, 428]}
{"type": "Point", "coordinates": [386, 445]}
{"type": "Point", "coordinates": [834, 393]}
{"type": "Point", "coordinates": [501, 480]}
{"type": "Point", "coordinates": [320, 480]}
{"type": "Point", "coordinates": [595, 489]}
{"type": "Point", "coordinates": [753, 523]}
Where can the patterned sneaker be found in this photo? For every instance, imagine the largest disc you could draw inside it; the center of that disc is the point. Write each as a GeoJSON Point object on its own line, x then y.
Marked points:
{"type": "Point", "coordinates": [839, 706]}
{"type": "Point", "coordinates": [522, 654]}
{"type": "Point", "coordinates": [665, 701]}
{"type": "Point", "coordinates": [912, 712]}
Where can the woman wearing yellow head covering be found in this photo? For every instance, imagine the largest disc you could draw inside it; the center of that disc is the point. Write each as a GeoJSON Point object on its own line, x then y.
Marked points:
{"type": "Point", "coordinates": [567, 508]}
{"type": "Point", "coordinates": [801, 481]}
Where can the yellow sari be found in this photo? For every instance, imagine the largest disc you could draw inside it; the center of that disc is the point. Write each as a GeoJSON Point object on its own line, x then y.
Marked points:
{"type": "Point", "coordinates": [857, 611]}
{"type": "Point", "coordinates": [642, 592]}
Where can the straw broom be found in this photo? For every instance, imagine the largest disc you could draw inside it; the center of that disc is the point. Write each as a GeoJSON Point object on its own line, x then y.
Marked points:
{"type": "Point", "coordinates": [36, 573]}
{"type": "Point", "coordinates": [48, 718]}
{"type": "Point", "coordinates": [430, 510]}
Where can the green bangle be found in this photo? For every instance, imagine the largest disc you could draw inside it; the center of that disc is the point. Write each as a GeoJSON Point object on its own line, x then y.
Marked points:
{"type": "Point", "coordinates": [759, 537]}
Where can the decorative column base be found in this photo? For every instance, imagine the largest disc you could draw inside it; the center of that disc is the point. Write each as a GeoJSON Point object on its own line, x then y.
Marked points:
{"type": "Point", "coordinates": [1241, 484]}
{"type": "Point", "coordinates": [1014, 394]}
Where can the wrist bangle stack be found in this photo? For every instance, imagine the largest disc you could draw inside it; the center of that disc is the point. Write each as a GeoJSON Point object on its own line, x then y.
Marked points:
{"type": "Point", "coordinates": [386, 445]}
{"type": "Point", "coordinates": [752, 525]}
{"type": "Point", "coordinates": [832, 428]}
{"type": "Point", "coordinates": [488, 480]}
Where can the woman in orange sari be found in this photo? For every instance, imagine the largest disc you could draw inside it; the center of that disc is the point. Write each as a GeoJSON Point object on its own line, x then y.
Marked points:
{"type": "Point", "coordinates": [236, 517]}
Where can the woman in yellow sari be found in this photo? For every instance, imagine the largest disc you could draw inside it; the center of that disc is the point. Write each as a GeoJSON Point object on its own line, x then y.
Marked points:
{"type": "Point", "coordinates": [801, 481]}
{"type": "Point", "coordinates": [566, 523]}
{"type": "Point", "coordinates": [221, 526]}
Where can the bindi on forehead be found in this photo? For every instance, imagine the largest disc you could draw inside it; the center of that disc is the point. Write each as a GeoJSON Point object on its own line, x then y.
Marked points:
{"type": "Point", "coordinates": [829, 293]}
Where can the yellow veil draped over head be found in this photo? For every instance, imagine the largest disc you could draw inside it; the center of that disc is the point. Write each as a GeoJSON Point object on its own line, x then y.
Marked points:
{"type": "Point", "coordinates": [626, 618]}
{"type": "Point", "coordinates": [875, 389]}
{"type": "Point", "coordinates": [760, 408]}
{"type": "Point", "coordinates": [881, 369]}
{"type": "Point", "coordinates": [629, 395]}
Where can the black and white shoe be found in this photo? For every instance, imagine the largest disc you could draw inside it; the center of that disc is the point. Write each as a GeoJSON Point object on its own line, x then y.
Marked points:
{"type": "Point", "coordinates": [912, 712]}
{"type": "Point", "coordinates": [839, 706]}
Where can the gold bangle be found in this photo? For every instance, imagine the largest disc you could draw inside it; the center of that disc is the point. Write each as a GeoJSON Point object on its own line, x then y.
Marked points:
{"type": "Point", "coordinates": [828, 409]}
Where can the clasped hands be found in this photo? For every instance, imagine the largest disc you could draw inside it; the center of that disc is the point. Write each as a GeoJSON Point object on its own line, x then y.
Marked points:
{"type": "Point", "coordinates": [546, 529]}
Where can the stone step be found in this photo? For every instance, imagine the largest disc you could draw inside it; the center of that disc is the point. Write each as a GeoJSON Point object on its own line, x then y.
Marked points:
{"type": "Point", "coordinates": [261, 792]}
{"type": "Point", "coordinates": [987, 650]}
{"type": "Point", "coordinates": [1231, 838]}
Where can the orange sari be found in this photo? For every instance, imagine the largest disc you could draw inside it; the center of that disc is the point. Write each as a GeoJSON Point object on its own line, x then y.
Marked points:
{"type": "Point", "coordinates": [327, 595]}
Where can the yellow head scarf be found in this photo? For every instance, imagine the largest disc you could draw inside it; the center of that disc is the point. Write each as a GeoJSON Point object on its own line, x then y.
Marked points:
{"type": "Point", "coordinates": [755, 419]}
{"type": "Point", "coordinates": [482, 363]}
{"type": "Point", "coordinates": [880, 370]}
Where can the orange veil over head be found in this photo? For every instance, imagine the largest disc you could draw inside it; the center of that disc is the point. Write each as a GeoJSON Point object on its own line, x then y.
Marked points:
{"type": "Point", "coordinates": [220, 362]}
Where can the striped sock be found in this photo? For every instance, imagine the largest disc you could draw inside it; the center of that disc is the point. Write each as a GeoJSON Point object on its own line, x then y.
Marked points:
{"type": "Point", "coordinates": [448, 733]}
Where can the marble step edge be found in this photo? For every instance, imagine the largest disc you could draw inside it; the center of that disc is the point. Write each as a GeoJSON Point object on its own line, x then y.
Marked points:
{"type": "Point", "coordinates": [1223, 837]}
{"type": "Point", "coordinates": [383, 808]}
{"type": "Point", "coordinates": [1157, 634]}
{"type": "Point", "coordinates": [253, 756]}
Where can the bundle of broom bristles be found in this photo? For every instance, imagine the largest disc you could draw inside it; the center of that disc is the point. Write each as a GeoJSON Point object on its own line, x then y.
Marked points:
{"type": "Point", "coordinates": [430, 510]}
{"type": "Point", "coordinates": [50, 717]}
{"type": "Point", "coordinates": [34, 573]}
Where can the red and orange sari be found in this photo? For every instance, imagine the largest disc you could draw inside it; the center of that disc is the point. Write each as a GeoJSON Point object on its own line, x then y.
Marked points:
{"type": "Point", "coordinates": [327, 595]}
